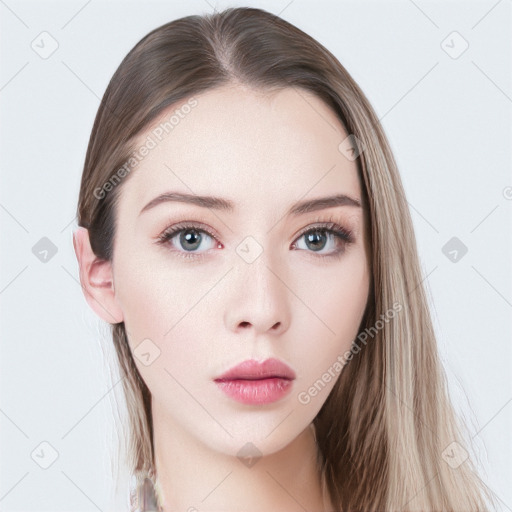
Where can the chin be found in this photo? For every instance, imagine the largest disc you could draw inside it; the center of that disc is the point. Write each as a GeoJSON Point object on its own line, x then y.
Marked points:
{"type": "Point", "coordinates": [258, 438]}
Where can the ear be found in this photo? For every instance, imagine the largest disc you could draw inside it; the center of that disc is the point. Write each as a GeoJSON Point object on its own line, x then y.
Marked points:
{"type": "Point", "coordinates": [96, 279]}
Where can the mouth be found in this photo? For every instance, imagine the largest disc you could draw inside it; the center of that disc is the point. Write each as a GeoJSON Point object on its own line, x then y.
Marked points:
{"type": "Point", "coordinates": [269, 377]}
{"type": "Point", "coordinates": [254, 370]}
{"type": "Point", "coordinates": [256, 383]}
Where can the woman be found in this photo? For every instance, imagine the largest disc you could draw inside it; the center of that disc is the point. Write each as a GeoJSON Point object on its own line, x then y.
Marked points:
{"type": "Point", "coordinates": [244, 230]}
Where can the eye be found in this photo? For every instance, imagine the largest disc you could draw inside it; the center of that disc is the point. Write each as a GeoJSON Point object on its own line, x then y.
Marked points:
{"type": "Point", "coordinates": [327, 239]}
{"type": "Point", "coordinates": [186, 238]}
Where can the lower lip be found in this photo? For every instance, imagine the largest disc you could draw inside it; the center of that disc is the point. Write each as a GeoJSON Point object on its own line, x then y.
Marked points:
{"type": "Point", "coordinates": [255, 392]}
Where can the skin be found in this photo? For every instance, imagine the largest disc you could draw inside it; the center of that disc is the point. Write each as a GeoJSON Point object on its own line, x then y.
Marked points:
{"type": "Point", "coordinates": [265, 152]}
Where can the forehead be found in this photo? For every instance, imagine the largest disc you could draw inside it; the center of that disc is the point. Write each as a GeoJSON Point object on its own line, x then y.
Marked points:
{"type": "Point", "coordinates": [253, 147]}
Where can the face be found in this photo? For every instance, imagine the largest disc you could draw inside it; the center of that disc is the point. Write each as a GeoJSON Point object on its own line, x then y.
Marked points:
{"type": "Point", "coordinates": [205, 286]}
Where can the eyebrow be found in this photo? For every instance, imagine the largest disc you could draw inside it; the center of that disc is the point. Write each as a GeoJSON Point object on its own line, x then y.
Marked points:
{"type": "Point", "coordinates": [218, 203]}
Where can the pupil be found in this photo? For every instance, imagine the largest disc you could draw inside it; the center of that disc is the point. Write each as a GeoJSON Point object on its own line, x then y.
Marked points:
{"type": "Point", "coordinates": [191, 237]}
{"type": "Point", "coordinates": [314, 239]}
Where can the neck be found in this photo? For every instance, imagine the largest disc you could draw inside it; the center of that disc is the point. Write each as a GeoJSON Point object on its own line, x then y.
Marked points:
{"type": "Point", "coordinates": [193, 477]}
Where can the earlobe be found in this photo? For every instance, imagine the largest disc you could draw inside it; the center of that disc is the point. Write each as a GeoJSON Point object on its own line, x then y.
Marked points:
{"type": "Point", "coordinates": [96, 279]}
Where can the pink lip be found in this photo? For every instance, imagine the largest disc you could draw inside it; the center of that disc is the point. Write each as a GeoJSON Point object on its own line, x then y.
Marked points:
{"type": "Point", "coordinates": [252, 382]}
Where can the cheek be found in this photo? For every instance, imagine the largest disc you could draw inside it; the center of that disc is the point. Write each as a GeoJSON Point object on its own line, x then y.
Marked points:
{"type": "Point", "coordinates": [165, 317]}
{"type": "Point", "coordinates": [336, 295]}
{"type": "Point", "coordinates": [336, 298]}
{"type": "Point", "coordinates": [155, 293]}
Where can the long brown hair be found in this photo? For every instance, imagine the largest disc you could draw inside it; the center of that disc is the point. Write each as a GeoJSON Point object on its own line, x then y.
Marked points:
{"type": "Point", "coordinates": [385, 427]}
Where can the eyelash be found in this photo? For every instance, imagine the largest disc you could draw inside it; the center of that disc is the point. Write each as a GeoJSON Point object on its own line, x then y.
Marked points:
{"type": "Point", "coordinates": [344, 235]}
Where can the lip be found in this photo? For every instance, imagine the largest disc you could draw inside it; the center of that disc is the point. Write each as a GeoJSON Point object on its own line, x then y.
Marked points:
{"type": "Point", "coordinates": [253, 382]}
{"type": "Point", "coordinates": [253, 370]}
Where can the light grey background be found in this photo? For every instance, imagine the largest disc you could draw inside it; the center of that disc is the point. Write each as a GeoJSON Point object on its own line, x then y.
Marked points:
{"type": "Point", "coordinates": [448, 120]}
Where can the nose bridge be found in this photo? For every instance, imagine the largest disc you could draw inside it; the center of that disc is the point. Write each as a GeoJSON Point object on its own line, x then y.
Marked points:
{"type": "Point", "coordinates": [259, 297]}
{"type": "Point", "coordinates": [257, 273]}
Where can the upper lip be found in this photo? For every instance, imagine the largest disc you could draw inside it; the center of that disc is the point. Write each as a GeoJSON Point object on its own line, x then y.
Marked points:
{"type": "Point", "coordinates": [254, 370]}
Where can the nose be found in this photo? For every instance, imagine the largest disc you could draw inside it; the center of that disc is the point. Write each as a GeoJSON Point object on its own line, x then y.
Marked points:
{"type": "Point", "coordinates": [258, 298]}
